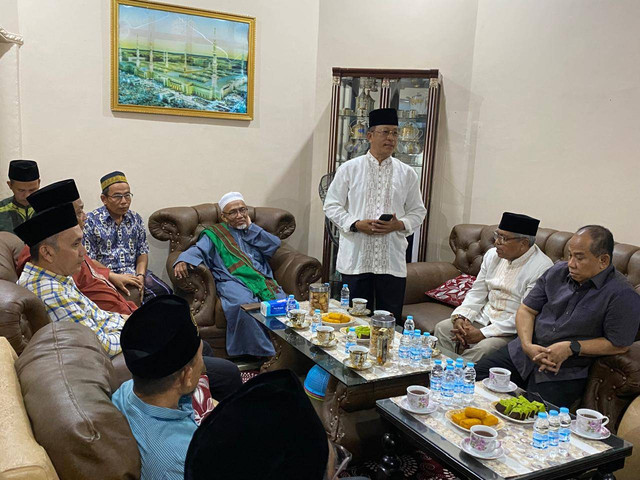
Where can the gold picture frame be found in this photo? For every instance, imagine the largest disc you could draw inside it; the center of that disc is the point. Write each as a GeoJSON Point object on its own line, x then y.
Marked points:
{"type": "Point", "coordinates": [174, 60]}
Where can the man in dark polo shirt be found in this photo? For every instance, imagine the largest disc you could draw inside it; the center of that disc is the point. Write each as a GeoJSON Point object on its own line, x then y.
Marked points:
{"type": "Point", "coordinates": [577, 311]}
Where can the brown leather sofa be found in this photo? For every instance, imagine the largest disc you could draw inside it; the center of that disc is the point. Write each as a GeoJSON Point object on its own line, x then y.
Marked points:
{"type": "Point", "coordinates": [614, 381]}
{"type": "Point", "coordinates": [182, 227]}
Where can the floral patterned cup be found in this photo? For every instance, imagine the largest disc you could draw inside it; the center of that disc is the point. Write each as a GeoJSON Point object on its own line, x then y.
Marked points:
{"type": "Point", "coordinates": [483, 440]}
{"type": "Point", "coordinates": [590, 421]}
{"type": "Point", "coordinates": [418, 397]}
{"type": "Point", "coordinates": [499, 377]}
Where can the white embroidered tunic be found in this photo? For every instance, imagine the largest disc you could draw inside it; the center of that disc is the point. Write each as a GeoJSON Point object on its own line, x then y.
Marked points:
{"type": "Point", "coordinates": [500, 288]}
{"type": "Point", "coordinates": [364, 189]}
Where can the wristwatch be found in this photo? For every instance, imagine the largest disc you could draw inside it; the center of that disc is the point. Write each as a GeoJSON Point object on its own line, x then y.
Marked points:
{"type": "Point", "coordinates": [575, 348]}
{"type": "Point", "coordinates": [353, 227]}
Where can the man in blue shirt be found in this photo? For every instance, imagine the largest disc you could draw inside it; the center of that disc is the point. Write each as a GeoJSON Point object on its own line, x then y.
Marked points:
{"type": "Point", "coordinates": [577, 311]}
{"type": "Point", "coordinates": [163, 351]}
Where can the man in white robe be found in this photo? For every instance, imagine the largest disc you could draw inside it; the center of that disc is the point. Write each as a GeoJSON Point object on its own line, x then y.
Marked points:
{"type": "Point", "coordinates": [372, 251]}
{"type": "Point", "coordinates": [485, 321]}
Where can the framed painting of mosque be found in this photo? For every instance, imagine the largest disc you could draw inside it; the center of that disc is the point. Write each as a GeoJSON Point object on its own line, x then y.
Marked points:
{"type": "Point", "coordinates": [174, 60]}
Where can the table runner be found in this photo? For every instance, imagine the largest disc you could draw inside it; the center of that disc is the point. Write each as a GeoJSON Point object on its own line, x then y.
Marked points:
{"type": "Point", "coordinates": [515, 439]}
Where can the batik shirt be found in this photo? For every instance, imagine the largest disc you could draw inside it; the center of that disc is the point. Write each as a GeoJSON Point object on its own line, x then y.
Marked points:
{"type": "Point", "coordinates": [12, 214]}
{"type": "Point", "coordinates": [64, 301]}
{"type": "Point", "coordinates": [115, 246]}
{"type": "Point", "coordinates": [364, 189]}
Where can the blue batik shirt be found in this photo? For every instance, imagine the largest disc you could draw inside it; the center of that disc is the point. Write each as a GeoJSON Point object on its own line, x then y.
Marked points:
{"type": "Point", "coordinates": [115, 246]}
{"type": "Point", "coordinates": [163, 434]}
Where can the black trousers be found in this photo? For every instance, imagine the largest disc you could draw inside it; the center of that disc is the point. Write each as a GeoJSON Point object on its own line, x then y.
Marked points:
{"type": "Point", "coordinates": [383, 292]}
{"type": "Point", "coordinates": [224, 376]}
{"type": "Point", "coordinates": [561, 394]}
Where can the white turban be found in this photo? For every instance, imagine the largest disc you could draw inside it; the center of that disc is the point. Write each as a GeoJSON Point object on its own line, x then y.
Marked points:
{"type": "Point", "coordinates": [227, 198]}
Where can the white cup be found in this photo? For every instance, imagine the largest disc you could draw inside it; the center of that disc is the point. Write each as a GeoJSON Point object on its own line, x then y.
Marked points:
{"type": "Point", "coordinates": [483, 439]}
{"type": "Point", "coordinates": [418, 397]}
{"type": "Point", "coordinates": [499, 377]}
{"type": "Point", "coordinates": [590, 421]}
{"type": "Point", "coordinates": [325, 335]}
{"type": "Point", "coordinates": [358, 355]}
{"type": "Point", "coordinates": [298, 316]}
{"type": "Point", "coordinates": [359, 305]}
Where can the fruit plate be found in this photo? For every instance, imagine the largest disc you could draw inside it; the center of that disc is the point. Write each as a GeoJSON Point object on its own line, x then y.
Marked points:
{"type": "Point", "coordinates": [528, 421]}
{"type": "Point", "coordinates": [361, 341]}
{"type": "Point", "coordinates": [449, 413]}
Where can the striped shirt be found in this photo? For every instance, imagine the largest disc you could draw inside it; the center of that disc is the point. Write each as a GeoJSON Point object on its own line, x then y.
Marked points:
{"type": "Point", "coordinates": [64, 301]}
{"type": "Point", "coordinates": [163, 434]}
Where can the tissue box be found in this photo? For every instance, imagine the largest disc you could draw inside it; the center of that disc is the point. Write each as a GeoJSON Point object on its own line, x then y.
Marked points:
{"type": "Point", "coordinates": [275, 308]}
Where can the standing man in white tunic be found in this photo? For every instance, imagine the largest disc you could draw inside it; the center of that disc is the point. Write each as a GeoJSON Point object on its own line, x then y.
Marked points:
{"type": "Point", "coordinates": [372, 250]}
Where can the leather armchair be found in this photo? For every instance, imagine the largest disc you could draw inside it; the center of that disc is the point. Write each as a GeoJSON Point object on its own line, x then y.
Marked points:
{"type": "Point", "coordinates": [182, 226]}
{"type": "Point", "coordinates": [614, 381]}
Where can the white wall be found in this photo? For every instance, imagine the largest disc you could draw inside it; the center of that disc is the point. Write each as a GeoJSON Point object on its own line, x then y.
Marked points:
{"type": "Point", "coordinates": [10, 128]}
{"type": "Point", "coordinates": [538, 108]}
{"type": "Point", "coordinates": [69, 129]}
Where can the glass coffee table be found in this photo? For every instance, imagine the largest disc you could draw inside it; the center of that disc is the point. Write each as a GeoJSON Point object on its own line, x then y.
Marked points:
{"type": "Point", "coordinates": [441, 439]}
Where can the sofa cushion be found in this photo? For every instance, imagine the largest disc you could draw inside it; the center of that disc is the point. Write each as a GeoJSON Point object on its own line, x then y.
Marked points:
{"type": "Point", "coordinates": [20, 455]}
{"type": "Point", "coordinates": [67, 381]}
{"type": "Point", "coordinates": [427, 314]}
{"type": "Point", "coordinates": [452, 292]}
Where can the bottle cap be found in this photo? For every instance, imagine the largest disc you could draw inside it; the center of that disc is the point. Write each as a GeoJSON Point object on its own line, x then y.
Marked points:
{"type": "Point", "coordinates": [449, 361]}
{"type": "Point", "coordinates": [449, 367]}
{"type": "Point", "coordinates": [564, 410]}
{"type": "Point", "coordinates": [409, 317]}
{"type": "Point", "coordinates": [438, 362]}
{"type": "Point", "coordinates": [459, 359]}
{"type": "Point", "coordinates": [553, 413]}
{"type": "Point", "coordinates": [417, 331]}
{"type": "Point", "coordinates": [470, 364]}
{"type": "Point", "coordinates": [542, 414]}
{"type": "Point", "coordinates": [352, 329]}
{"type": "Point", "coordinates": [291, 296]}
{"type": "Point", "coordinates": [405, 332]}
{"type": "Point", "coordinates": [426, 334]}
{"type": "Point", "coordinates": [317, 310]}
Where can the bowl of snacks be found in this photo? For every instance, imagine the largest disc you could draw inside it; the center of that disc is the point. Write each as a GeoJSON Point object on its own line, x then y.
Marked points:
{"type": "Point", "coordinates": [518, 409]}
{"type": "Point", "coordinates": [363, 332]}
{"type": "Point", "coordinates": [465, 418]}
{"type": "Point", "coordinates": [337, 318]}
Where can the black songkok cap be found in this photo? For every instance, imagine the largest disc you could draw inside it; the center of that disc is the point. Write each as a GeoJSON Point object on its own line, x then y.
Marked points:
{"type": "Point", "coordinates": [160, 337]}
{"type": "Point", "coordinates": [47, 223]}
{"type": "Point", "coordinates": [64, 191]}
{"type": "Point", "coordinates": [111, 178]}
{"type": "Point", "coordinates": [269, 416]}
{"type": "Point", "coordinates": [518, 223]}
{"type": "Point", "coordinates": [383, 116]}
{"type": "Point", "coordinates": [23, 170]}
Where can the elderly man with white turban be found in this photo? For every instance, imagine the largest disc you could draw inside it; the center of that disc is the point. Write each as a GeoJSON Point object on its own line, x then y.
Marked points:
{"type": "Point", "coordinates": [237, 252]}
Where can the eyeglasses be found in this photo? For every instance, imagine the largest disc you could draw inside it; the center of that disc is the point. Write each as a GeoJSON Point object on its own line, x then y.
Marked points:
{"type": "Point", "coordinates": [499, 238]}
{"type": "Point", "coordinates": [119, 196]}
{"type": "Point", "coordinates": [343, 457]}
{"type": "Point", "coordinates": [386, 133]}
{"type": "Point", "coordinates": [236, 212]}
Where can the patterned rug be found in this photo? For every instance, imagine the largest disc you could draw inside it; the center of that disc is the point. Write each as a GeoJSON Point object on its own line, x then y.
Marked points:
{"type": "Point", "coordinates": [415, 465]}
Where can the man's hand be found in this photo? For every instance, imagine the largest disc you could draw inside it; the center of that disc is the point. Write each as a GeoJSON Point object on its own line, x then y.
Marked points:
{"type": "Point", "coordinates": [181, 270]}
{"type": "Point", "coordinates": [247, 219]}
{"type": "Point", "coordinates": [380, 227]}
{"type": "Point", "coordinates": [365, 226]}
{"type": "Point", "coordinates": [558, 353]}
{"type": "Point", "coordinates": [538, 354]}
{"type": "Point", "coordinates": [121, 280]}
{"type": "Point", "coordinates": [458, 331]}
{"type": "Point", "coordinates": [472, 334]}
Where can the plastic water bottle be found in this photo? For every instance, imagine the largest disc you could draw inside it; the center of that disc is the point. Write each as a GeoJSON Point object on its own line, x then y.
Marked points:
{"type": "Point", "coordinates": [404, 348]}
{"type": "Point", "coordinates": [469, 383]}
{"type": "Point", "coordinates": [426, 350]}
{"type": "Point", "coordinates": [409, 324]}
{"type": "Point", "coordinates": [541, 435]}
{"type": "Point", "coordinates": [458, 385]}
{"type": "Point", "coordinates": [554, 427]}
{"type": "Point", "coordinates": [415, 352]}
{"type": "Point", "coordinates": [344, 296]}
{"type": "Point", "coordinates": [564, 433]}
{"type": "Point", "coordinates": [351, 339]}
{"type": "Point", "coordinates": [291, 304]}
{"type": "Point", "coordinates": [449, 362]}
{"type": "Point", "coordinates": [435, 379]}
{"type": "Point", "coordinates": [448, 383]}
{"type": "Point", "coordinates": [316, 320]}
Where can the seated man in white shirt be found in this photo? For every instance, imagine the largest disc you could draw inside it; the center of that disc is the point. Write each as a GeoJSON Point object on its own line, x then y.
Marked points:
{"type": "Point", "coordinates": [485, 321]}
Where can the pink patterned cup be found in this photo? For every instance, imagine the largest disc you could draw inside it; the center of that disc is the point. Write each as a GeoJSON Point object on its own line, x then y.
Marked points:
{"type": "Point", "coordinates": [483, 439]}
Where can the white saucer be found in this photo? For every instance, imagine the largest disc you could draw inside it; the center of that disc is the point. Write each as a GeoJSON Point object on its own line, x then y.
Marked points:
{"type": "Point", "coordinates": [368, 364]}
{"type": "Point", "coordinates": [604, 432]}
{"type": "Point", "coordinates": [331, 344]}
{"type": "Point", "coordinates": [511, 388]}
{"type": "Point", "coordinates": [404, 404]}
{"type": "Point", "coordinates": [497, 453]}
{"type": "Point", "coordinates": [289, 323]}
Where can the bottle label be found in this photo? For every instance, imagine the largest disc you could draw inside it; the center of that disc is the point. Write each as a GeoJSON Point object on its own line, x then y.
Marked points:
{"type": "Point", "coordinates": [469, 388]}
{"type": "Point", "coordinates": [540, 440]}
{"type": "Point", "coordinates": [553, 439]}
{"type": "Point", "coordinates": [564, 434]}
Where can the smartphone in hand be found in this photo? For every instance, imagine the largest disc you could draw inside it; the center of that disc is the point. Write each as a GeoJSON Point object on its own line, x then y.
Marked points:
{"type": "Point", "coordinates": [385, 217]}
